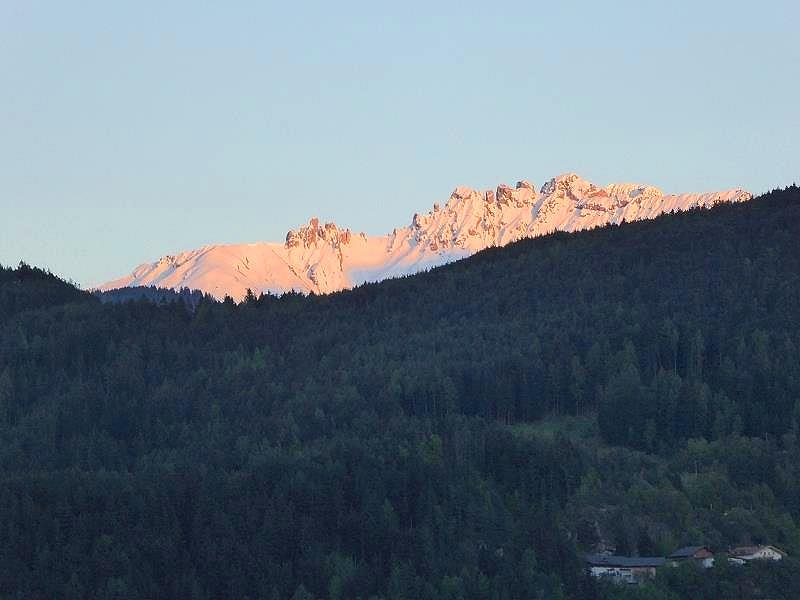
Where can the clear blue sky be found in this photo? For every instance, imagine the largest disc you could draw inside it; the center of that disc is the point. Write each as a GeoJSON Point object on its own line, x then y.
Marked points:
{"type": "Point", "coordinates": [129, 130]}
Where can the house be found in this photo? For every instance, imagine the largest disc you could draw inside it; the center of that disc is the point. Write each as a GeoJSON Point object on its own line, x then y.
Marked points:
{"type": "Point", "coordinates": [744, 554]}
{"type": "Point", "coordinates": [624, 569]}
{"type": "Point", "coordinates": [699, 555]}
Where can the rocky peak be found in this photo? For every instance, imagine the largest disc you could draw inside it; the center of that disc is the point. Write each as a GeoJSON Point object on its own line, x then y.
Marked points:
{"type": "Point", "coordinates": [569, 186]}
{"type": "Point", "coordinates": [520, 196]}
{"type": "Point", "coordinates": [313, 233]}
{"type": "Point", "coordinates": [462, 192]}
{"type": "Point", "coordinates": [173, 260]}
{"type": "Point", "coordinates": [624, 193]}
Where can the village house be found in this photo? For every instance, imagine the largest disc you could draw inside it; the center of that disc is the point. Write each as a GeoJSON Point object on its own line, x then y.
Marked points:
{"type": "Point", "coordinates": [624, 569]}
{"type": "Point", "coordinates": [635, 569]}
{"type": "Point", "coordinates": [745, 554]}
{"type": "Point", "coordinates": [699, 555]}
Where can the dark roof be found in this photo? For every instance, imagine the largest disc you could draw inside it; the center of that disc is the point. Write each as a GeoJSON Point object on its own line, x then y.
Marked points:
{"type": "Point", "coordinates": [687, 551]}
{"type": "Point", "coordinates": [607, 560]}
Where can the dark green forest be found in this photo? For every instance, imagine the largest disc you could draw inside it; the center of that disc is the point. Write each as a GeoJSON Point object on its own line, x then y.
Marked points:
{"type": "Point", "coordinates": [469, 432]}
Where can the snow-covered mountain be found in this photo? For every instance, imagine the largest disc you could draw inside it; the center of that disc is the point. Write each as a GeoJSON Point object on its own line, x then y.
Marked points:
{"type": "Point", "coordinates": [323, 258]}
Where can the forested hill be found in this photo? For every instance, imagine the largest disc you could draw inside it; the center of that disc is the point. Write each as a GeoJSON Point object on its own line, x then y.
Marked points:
{"type": "Point", "coordinates": [30, 288]}
{"type": "Point", "coordinates": [463, 433]}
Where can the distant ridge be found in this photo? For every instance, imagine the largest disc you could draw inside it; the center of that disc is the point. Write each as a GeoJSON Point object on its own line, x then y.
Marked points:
{"type": "Point", "coordinates": [322, 257]}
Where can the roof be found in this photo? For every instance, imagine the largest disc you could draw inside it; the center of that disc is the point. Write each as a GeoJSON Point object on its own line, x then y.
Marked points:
{"type": "Point", "coordinates": [687, 551]}
{"type": "Point", "coordinates": [607, 560]}
{"type": "Point", "coordinates": [748, 550]}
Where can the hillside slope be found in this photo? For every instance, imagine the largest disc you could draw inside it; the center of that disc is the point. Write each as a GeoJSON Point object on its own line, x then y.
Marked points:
{"type": "Point", "coordinates": [412, 438]}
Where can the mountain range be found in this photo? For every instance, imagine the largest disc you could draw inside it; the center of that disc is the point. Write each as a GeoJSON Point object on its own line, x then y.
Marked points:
{"type": "Point", "coordinates": [323, 257]}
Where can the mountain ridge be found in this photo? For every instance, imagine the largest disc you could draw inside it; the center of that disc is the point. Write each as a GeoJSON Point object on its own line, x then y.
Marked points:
{"type": "Point", "coordinates": [323, 257]}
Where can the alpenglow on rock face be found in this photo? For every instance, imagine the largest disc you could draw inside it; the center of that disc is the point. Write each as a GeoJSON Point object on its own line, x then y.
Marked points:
{"type": "Point", "coordinates": [324, 258]}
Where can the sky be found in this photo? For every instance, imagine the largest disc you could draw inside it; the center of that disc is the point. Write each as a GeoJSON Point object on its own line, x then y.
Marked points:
{"type": "Point", "coordinates": [131, 130]}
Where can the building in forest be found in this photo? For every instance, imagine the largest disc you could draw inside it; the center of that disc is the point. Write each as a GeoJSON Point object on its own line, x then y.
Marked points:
{"type": "Point", "coordinates": [624, 569]}
{"type": "Point", "coordinates": [699, 555]}
{"type": "Point", "coordinates": [744, 554]}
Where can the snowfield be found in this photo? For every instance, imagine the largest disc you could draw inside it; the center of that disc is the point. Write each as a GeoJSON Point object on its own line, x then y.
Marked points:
{"type": "Point", "coordinates": [323, 258]}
